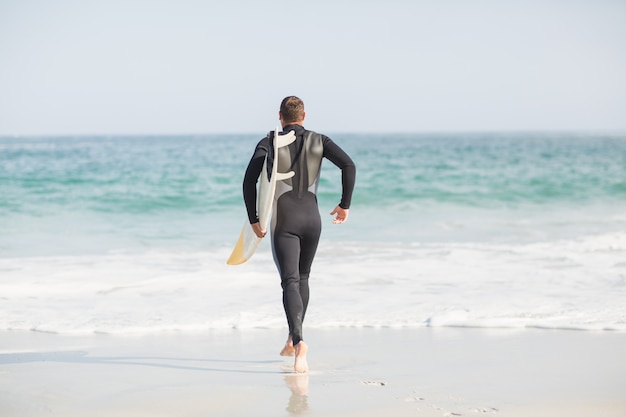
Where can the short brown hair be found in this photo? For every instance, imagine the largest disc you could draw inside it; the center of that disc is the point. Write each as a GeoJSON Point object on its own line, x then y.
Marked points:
{"type": "Point", "coordinates": [292, 109]}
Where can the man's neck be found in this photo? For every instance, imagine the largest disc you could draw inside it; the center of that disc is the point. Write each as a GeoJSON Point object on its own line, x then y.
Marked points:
{"type": "Point", "coordinates": [290, 123]}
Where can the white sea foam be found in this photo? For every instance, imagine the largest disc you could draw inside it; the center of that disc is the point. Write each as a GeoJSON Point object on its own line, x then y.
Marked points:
{"type": "Point", "coordinates": [568, 284]}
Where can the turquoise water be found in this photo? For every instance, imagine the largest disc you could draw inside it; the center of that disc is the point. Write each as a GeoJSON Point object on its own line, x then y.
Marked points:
{"type": "Point", "coordinates": [492, 170]}
{"type": "Point", "coordinates": [131, 234]}
{"type": "Point", "coordinates": [69, 194]}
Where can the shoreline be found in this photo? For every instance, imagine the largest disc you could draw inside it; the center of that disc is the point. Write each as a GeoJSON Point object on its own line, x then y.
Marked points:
{"type": "Point", "coordinates": [353, 372]}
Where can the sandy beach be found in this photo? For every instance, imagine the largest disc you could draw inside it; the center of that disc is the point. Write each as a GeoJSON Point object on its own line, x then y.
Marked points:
{"type": "Point", "coordinates": [354, 372]}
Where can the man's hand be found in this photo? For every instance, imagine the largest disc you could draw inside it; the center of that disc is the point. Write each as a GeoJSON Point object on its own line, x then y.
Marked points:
{"type": "Point", "coordinates": [256, 228]}
{"type": "Point", "coordinates": [342, 215]}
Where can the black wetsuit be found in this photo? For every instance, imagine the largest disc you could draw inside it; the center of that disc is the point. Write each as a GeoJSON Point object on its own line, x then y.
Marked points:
{"type": "Point", "coordinates": [296, 223]}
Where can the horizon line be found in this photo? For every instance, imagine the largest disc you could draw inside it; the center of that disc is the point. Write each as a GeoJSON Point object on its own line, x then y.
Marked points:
{"type": "Point", "coordinates": [329, 133]}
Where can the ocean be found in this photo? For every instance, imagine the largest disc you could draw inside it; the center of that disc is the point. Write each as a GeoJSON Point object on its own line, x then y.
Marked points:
{"type": "Point", "coordinates": [496, 230]}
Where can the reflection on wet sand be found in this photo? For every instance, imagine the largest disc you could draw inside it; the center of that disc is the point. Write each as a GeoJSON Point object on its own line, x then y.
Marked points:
{"type": "Point", "coordinates": [299, 387]}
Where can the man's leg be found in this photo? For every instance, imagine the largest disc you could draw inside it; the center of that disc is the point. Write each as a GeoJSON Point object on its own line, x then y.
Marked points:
{"type": "Point", "coordinates": [287, 254]}
{"type": "Point", "coordinates": [294, 244]}
{"type": "Point", "coordinates": [308, 248]}
{"type": "Point", "coordinates": [288, 349]}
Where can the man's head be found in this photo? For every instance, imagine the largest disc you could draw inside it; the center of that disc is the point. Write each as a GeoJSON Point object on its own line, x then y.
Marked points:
{"type": "Point", "coordinates": [291, 111]}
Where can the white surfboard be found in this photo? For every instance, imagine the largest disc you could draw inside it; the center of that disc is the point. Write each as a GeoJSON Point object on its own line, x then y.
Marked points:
{"type": "Point", "coordinates": [248, 242]}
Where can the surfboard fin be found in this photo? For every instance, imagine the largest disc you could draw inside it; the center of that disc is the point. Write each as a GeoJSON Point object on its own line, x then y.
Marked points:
{"type": "Point", "coordinates": [284, 175]}
{"type": "Point", "coordinates": [284, 140]}
{"type": "Point", "coordinates": [281, 141]}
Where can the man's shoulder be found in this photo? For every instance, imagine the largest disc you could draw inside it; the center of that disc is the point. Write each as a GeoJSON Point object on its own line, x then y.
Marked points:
{"type": "Point", "coordinates": [264, 143]}
{"type": "Point", "coordinates": [314, 133]}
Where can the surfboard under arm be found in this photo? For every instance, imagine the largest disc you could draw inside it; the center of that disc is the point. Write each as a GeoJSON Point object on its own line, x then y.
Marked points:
{"type": "Point", "coordinates": [248, 242]}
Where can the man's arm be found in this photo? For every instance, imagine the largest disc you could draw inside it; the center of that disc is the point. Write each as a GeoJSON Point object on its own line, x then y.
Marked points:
{"type": "Point", "coordinates": [250, 179]}
{"type": "Point", "coordinates": [337, 156]}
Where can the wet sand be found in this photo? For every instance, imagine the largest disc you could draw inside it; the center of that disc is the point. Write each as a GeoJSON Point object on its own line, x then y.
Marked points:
{"type": "Point", "coordinates": [353, 372]}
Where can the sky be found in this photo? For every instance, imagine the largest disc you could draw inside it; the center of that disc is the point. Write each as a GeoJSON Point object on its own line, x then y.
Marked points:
{"type": "Point", "coordinates": [193, 67]}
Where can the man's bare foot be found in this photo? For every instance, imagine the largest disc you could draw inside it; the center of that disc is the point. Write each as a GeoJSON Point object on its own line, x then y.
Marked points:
{"type": "Point", "coordinates": [288, 349]}
{"type": "Point", "coordinates": [301, 365]}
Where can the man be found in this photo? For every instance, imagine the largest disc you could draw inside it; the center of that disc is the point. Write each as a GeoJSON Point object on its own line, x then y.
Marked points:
{"type": "Point", "coordinates": [296, 222]}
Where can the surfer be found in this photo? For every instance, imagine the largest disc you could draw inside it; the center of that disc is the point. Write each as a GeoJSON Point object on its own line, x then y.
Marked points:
{"type": "Point", "coordinates": [296, 223]}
